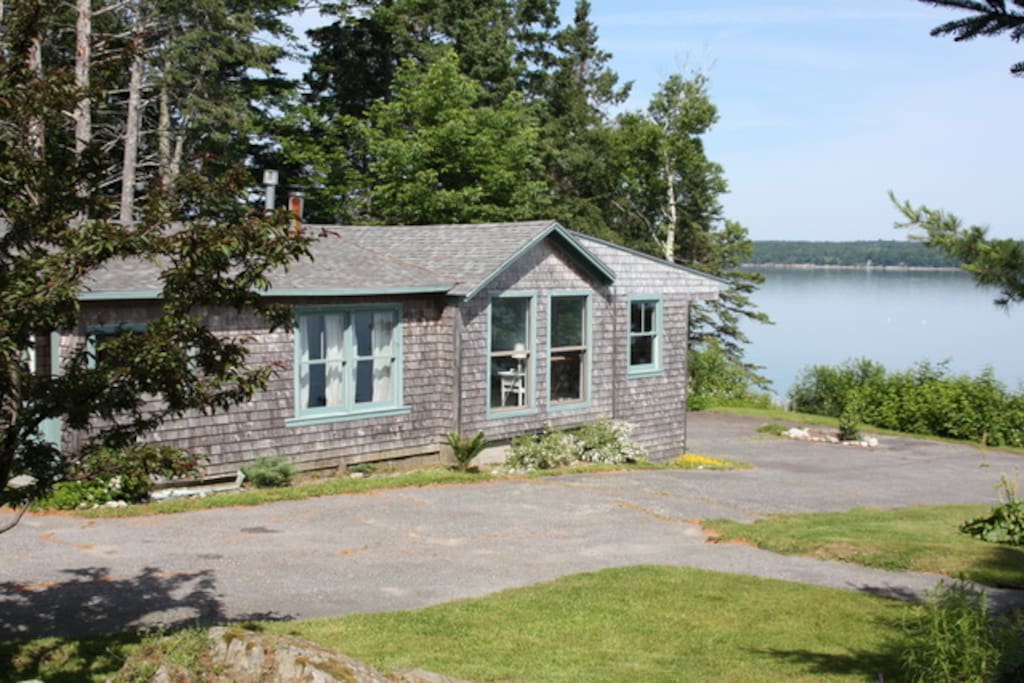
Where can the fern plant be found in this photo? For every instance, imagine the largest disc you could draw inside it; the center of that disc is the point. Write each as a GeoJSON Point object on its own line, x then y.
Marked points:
{"type": "Point", "coordinates": [465, 448]}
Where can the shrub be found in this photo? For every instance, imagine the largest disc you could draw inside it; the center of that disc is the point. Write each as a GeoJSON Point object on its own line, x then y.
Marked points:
{"type": "Point", "coordinates": [465, 449]}
{"type": "Point", "coordinates": [607, 441]}
{"type": "Point", "coordinates": [953, 637]}
{"type": "Point", "coordinates": [128, 474]}
{"type": "Point", "coordinates": [270, 472]}
{"type": "Point", "coordinates": [604, 441]}
{"type": "Point", "coordinates": [544, 451]}
{"type": "Point", "coordinates": [926, 399]}
{"type": "Point", "coordinates": [1006, 522]}
{"type": "Point", "coordinates": [716, 378]}
{"type": "Point", "coordinates": [850, 417]}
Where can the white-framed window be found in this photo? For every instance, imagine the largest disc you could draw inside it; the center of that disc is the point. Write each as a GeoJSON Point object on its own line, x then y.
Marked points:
{"type": "Point", "coordinates": [511, 353]}
{"type": "Point", "coordinates": [569, 362]}
{"type": "Point", "coordinates": [347, 360]}
{"type": "Point", "coordinates": [645, 335]}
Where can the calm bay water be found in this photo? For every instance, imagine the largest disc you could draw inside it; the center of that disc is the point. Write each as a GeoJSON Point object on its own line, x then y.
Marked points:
{"type": "Point", "coordinates": [896, 318]}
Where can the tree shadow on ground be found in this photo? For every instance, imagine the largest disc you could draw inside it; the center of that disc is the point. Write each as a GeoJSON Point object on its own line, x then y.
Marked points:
{"type": "Point", "coordinates": [93, 603]}
{"type": "Point", "coordinates": [868, 666]}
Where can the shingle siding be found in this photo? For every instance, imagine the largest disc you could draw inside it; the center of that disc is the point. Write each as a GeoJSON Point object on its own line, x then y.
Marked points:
{"type": "Point", "coordinates": [446, 365]}
{"type": "Point", "coordinates": [258, 428]}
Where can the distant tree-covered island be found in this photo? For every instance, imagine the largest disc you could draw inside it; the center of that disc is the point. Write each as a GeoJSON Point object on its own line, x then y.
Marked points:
{"type": "Point", "coordinates": [880, 253]}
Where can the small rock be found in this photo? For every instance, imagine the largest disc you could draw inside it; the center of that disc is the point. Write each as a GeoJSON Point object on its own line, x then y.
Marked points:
{"type": "Point", "coordinates": [797, 433]}
{"type": "Point", "coordinates": [871, 442]}
{"type": "Point", "coordinates": [356, 475]}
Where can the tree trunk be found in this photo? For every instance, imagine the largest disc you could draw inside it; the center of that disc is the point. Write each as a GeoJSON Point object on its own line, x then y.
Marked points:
{"type": "Point", "coordinates": [669, 245]}
{"type": "Point", "coordinates": [163, 137]}
{"type": "Point", "coordinates": [83, 59]}
{"type": "Point", "coordinates": [131, 134]}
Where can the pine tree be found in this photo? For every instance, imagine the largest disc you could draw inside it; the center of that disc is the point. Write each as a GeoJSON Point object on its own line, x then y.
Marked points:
{"type": "Point", "coordinates": [989, 18]}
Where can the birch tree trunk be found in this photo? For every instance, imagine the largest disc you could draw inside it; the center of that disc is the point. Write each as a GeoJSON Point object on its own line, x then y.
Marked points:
{"type": "Point", "coordinates": [668, 247]}
{"type": "Point", "coordinates": [83, 59]}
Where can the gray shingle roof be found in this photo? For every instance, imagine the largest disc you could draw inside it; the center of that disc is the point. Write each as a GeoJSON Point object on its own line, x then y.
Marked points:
{"type": "Point", "coordinates": [459, 260]}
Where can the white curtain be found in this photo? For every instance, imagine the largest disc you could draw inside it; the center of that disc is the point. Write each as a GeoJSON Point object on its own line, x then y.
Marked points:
{"type": "Point", "coordinates": [304, 362]}
{"type": "Point", "coordinates": [334, 332]}
{"type": "Point", "coordinates": [383, 332]}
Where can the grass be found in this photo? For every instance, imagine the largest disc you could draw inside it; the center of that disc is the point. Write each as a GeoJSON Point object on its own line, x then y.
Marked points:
{"type": "Point", "coordinates": [632, 624]}
{"type": "Point", "coordinates": [919, 538]}
{"type": "Point", "coordinates": [628, 624]}
{"type": "Point", "coordinates": [313, 489]}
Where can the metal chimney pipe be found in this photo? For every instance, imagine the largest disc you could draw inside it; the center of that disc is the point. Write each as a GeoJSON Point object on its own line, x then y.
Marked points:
{"type": "Point", "coordinates": [270, 183]}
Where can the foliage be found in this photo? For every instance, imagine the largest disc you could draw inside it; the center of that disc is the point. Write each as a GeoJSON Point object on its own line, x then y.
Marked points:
{"type": "Point", "coordinates": [859, 253]}
{"type": "Point", "coordinates": [953, 638]}
{"type": "Point", "coordinates": [927, 399]}
{"type": "Point", "coordinates": [997, 263]}
{"type": "Point", "coordinates": [850, 417]}
{"type": "Point", "coordinates": [213, 250]}
{"type": "Point", "coordinates": [1005, 524]}
{"type": "Point", "coordinates": [608, 442]}
{"type": "Point", "coordinates": [922, 538]}
{"type": "Point", "coordinates": [466, 448]}
{"type": "Point", "coordinates": [775, 429]}
{"type": "Point", "coordinates": [717, 378]}
{"type": "Point", "coordinates": [270, 472]}
{"type": "Point", "coordinates": [668, 203]}
{"type": "Point", "coordinates": [604, 441]}
{"type": "Point", "coordinates": [989, 18]}
{"type": "Point", "coordinates": [545, 451]}
{"type": "Point", "coordinates": [439, 155]}
{"type": "Point", "coordinates": [127, 474]}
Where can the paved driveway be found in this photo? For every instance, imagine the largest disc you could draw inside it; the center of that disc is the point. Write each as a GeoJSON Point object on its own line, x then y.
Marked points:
{"type": "Point", "coordinates": [413, 547]}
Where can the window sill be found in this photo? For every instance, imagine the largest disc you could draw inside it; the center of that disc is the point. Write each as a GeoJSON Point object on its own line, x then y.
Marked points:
{"type": "Point", "coordinates": [644, 372]}
{"type": "Point", "coordinates": [568, 405]}
{"type": "Point", "coordinates": [499, 414]}
{"type": "Point", "coordinates": [309, 420]}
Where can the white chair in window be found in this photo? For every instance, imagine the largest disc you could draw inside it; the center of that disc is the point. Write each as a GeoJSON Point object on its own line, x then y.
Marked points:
{"type": "Point", "coordinates": [513, 382]}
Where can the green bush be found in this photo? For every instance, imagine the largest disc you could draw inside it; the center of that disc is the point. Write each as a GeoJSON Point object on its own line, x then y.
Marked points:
{"type": "Point", "coordinates": [129, 474]}
{"type": "Point", "coordinates": [270, 472]}
{"type": "Point", "coordinates": [715, 378]}
{"type": "Point", "coordinates": [953, 637]}
{"type": "Point", "coordinates": [465, 448]}
{"type": "Point", "coordinates": [927, 399]}
{"type": "Point", "coordinates": [1006, 522]}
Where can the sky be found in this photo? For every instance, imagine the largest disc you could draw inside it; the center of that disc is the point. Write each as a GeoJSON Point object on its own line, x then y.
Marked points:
{"type": "Point", "coordinates": [826, 105]}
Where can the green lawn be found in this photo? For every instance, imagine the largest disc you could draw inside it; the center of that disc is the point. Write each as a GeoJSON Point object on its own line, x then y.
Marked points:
{"type": "Point", "coordinates": [920, 538]}
{"type": "Point", "coordinates": [631, 624]}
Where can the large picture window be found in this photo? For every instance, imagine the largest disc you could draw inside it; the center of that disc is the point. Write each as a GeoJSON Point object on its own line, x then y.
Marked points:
{"type": "Point", "coordinates": [511, 354]}
{"type": "Point", "coordinates": [568, 374]}
{"type": "Point", "coordinates": [644, 335]}
{"type": "Point", "coordinates": [347, 360]}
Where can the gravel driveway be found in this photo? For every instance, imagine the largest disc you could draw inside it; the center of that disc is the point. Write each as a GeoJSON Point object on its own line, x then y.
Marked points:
{"type": "Point", "coordinates": [405, 548]}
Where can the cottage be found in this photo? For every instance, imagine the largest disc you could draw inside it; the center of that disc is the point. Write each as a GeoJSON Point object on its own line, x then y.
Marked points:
{"type": "Point", "coordinates": [405, 333]}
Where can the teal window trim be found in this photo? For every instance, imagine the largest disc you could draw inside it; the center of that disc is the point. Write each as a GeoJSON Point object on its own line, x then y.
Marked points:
{"type": "Point", "coordinates": [656, 333]}
{"type": "Point", "coordinates": [530, 371]}
{"type": "Point", "coordinates": [348, 362]}
{"type": "Point", "coordinates": [588, 342]}
{"type": "Point", "coordinates": [94, 331]}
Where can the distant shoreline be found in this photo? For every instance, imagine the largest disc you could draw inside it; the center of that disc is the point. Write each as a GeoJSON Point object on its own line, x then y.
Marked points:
{"type": "Point", "coordinates": [862, 266]}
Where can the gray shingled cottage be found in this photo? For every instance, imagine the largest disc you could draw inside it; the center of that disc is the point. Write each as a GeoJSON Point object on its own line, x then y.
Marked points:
{"type": "Point", "coordinates": [406, 333]}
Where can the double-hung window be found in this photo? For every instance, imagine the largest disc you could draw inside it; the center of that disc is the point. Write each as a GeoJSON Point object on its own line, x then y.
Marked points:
{"type": "Point", "coordinates": [347, 360]}
{"type": "Point", "coordinates": [644, 335]}
{"type": "Point", "coordinates": [511, 353]}
{"type": "Point", "coordinates": [569, 363]}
